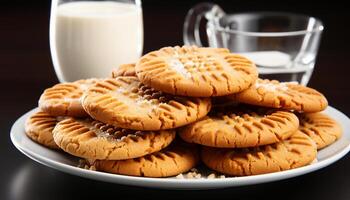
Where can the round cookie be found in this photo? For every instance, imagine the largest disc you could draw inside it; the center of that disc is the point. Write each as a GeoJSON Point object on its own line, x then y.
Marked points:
{"type": "Point", "coordinates": [124, 70]}
{"type": "Point", "coordinates": [321, 128]}
{"type": "Point", "coordinates": [127, 103]}
{"type": "Point", "coordinates": [297, 151]}
{"type": "Point", "coordinates": [239, 127]}
{"type": "Point", "coordinates": [63, 99]}
{"type": "Point", "coordinates": [90, 139]}
{"type": "Point", "coordinates": [176, 159]}
{"type": "Point", "coordinates": [288, 95]}
{"type": "Point", "coordinates": [196, 71]}
{"type": "Point", "coordinates": [39, 126]}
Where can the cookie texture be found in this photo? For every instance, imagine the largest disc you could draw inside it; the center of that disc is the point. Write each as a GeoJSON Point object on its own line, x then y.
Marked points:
{"type": "Point", "coordinates": [176, 159]}
{"type": "Point", "coordinates": [124, 70]}
{"type": "Point", "coordinates": [241, 128]}
{"type": "Point", "coordinates": [90, 139]}
{"type": "Point", "coordinates": [288, 95]}
{"type": "Point", "coordinates": [63, 99]}
{"type": "Point", "coordinates": [321, 128]}
{"type": "Point", "coordinates": [127, 103]}
{"type": "Point", "coordinates": [297, 151]}
{"type": "Point", "coordinates": [39, 126]}
{"type": "Point", "coordinates": [194, 71]}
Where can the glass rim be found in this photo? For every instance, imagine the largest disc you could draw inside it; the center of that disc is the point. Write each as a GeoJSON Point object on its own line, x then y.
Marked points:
{"type": "Point", "coordinates": [316, 29]}
{"type": "Point", "coordinates": [136, 2]}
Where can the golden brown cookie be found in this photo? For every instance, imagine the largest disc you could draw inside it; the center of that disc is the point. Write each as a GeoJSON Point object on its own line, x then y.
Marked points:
{"type": "Point", "coordinates": [197, 72]}
{"type": "Point", "coordinates": [127, 103]}
{"type": "Point", "coordinates": [63, 99]}
{"type": "Point", "coordinates": [90, 139]}
{"type": "Point", "coordinates": [176, 159]}
{"type": "Point", "coordinates": [124, 70]}
{"type": "Point", "coordinates": [241, 128]}
{"type": "Point", "coordinates": [297, 151]}
{"type": "Point", "coordinates": [288, 95]}
{"type": "Point", "coordinates": [321, 128]}
{"type": "Point", "coordinates": [39, 126]}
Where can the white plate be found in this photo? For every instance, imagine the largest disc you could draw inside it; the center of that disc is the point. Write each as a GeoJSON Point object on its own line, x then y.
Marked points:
{"type": "Point", "coordinates": [66, 163]}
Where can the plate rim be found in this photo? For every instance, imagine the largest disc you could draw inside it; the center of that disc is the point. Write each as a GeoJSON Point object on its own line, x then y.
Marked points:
{"type": "Point", "coordinates": [172, 183]}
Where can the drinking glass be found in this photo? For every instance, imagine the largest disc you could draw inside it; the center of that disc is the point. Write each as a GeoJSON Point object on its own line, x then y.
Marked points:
{"type": "Point", "coordinates": [282, 45]}
{"type": "Point", "coordinates": [90, 38]}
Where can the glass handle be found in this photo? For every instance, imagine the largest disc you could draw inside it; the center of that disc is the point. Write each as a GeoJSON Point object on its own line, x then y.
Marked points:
{"type": "Point", "coordinates": [193, 18]}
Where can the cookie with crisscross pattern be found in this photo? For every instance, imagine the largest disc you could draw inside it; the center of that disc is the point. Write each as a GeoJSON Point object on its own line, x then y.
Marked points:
{"type": "Point", "coordinates": [63, 99]}
{"type": "Point", "coordinates": [320, 127]}
{"type": "Point", "coordinates": [125, 102]}
{"type": "Point", "coordinates": [90, 139]}
{"type": "Point", "coordinates": [171, 161]}
{"type": "Point", "coordinates": [297, 151]}
{"type": "Point", "coordinates": [285, 95]}
{"type": "Point", "coordinates": [196, 71]}
{"type": "Point", "coordinates": [39, 128]}
{"type": "Point", "coordinates": [241, 127]}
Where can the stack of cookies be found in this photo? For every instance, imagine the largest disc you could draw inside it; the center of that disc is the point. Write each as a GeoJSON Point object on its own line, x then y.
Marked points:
{"type": "Point", "coordinates": [178, 106]}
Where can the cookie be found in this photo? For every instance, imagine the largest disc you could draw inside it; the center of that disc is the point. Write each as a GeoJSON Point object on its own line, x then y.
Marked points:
{"type": "Point", "coordinates": [124, 70]}
{"type": "Point", "coordinates": [241, 128]}
{"type": "Point", "coordinates": [321, 128]}
{"type": "Point", "coordinates": [127, 103]}
{"type": "Point", "coordinates": [176, 159]}
{"type": "Point", "coordinates": [90, 139]}
{"type": "Point", "coordinates": [39, 126]}
{"type": "Point", "coordinates": [297, 151]}
{"type": "Point", "coordinates": [287, 95]}
{"type": "Point", "coordinates": [63, 99]}
{"type": "Point", "coordinates": [196, 71]}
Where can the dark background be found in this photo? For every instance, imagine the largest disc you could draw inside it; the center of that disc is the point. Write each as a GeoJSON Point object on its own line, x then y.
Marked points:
{"type": "Point", "coordinates": [26, 70]}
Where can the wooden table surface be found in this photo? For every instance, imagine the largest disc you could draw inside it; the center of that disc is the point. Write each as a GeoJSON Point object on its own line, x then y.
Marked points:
{"type": "Point", "coordinates": [26, 70]}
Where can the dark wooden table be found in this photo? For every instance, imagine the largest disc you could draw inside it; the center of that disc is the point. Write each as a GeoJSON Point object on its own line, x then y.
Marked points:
{"type": "Point", "coordinates": [26, 69]}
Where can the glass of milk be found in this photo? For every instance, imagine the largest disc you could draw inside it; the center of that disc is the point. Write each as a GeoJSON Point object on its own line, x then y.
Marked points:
{"type": "Point", "coordinates": [283, 45]}
{"type": "Point", "coordinates": [90, 38]}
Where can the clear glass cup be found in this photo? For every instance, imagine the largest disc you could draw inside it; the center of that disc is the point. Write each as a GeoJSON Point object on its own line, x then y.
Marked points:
{"type": "Point", "coordinates": [90, 38]}
{"type": "Point", "coordinates": [283, 45]}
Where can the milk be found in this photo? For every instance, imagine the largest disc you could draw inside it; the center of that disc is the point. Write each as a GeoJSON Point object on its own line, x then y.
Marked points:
{"type": "Point", "coordinates": [282, 66]}
{"type": "Point", "coordinates": [271, 59]}
{"type": "Point", "coordinates": [89, 39]}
